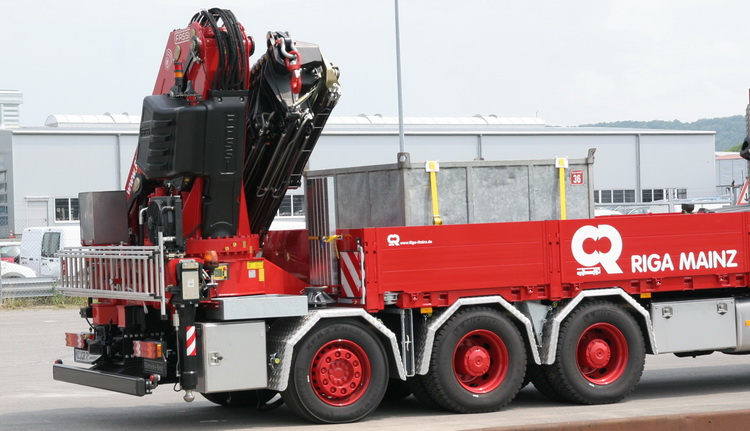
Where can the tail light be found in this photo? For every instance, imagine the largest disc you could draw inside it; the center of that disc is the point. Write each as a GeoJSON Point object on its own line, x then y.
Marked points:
{"type": "Point", "coordinates": [148, 349]}
{"type": "Point", "coordinates": [78, 339]}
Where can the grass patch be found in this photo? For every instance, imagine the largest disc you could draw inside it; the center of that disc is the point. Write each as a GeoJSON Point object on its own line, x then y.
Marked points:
{"type": "Point", "coordinates": [57, 300]}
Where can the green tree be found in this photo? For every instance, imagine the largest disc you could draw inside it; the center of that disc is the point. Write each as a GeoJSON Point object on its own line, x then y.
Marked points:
{"type": "Point", "coordinates": [729, 130]}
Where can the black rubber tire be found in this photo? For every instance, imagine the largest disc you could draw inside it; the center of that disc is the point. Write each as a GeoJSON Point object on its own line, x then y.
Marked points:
{"type": "Point", "coordinates": [526, 378]}
{"type": "Point", "coordinates": [442, 381]}
{"type": "Point", "coordinates": [239, 399]}
{"type": "Point", "coordinates": [565, 375]}
{"type": "Point", "coordinates": [396, 391]}
{"type": "Point", "coordinates": [538, 377]}
{"type": "Point", "coordinates": [300, 395]}
{"type": "Point", "coordinates": [416, 385]}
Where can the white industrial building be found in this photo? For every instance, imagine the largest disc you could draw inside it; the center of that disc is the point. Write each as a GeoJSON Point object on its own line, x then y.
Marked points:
{"type": "Point", "coordinates": [42, 169]}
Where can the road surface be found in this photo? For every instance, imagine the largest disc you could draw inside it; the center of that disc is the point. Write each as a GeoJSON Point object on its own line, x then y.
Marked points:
{"type": "Point", "coordinates": [30, 340]}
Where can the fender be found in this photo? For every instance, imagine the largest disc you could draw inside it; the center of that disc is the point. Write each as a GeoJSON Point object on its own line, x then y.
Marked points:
{"type": "Point", "coordinates": [427, 338]}
{"type": "Point", "coordinates": [553, 325]}
{"type": "Point", "coordinates": [282, 339]}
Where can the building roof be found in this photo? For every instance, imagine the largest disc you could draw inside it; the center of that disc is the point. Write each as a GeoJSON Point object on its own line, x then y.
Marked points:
{"type": "Point", "coordinates": [363, 125]}
{"type": "Point", "coordinates": [84, 121]}
{"type": "Point", "coordinates": [478, 120]}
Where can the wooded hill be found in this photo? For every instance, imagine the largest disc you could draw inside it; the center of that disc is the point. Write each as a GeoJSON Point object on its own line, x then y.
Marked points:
{"type": "Point", "coordinates": [730, 131]}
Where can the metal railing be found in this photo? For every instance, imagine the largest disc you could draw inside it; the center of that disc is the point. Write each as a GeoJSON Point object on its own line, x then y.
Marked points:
{"type": "Point", "coordinates": [117, 272]}
{"type": "Point", "coordinates": [13, 288]}
{"type": "Point", "coordinates": [660, 207]}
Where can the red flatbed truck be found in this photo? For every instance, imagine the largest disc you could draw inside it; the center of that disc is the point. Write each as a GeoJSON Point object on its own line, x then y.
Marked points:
{"type": "Point", "coordinates": [186, 286]}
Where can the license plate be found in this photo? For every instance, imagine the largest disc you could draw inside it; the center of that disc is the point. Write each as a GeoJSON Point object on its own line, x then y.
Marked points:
{"type": "Point", "coordinates": [155, 366]}
{"type": "Point", "coordinates": [83, 356]}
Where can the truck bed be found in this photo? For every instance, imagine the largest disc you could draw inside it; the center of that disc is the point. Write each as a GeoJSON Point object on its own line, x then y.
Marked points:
{"type": "Point", "coordinates": [426, 266]}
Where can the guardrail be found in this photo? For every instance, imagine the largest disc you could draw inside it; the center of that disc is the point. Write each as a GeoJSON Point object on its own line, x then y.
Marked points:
{"type": "Point", "coordinates": [27, 287]}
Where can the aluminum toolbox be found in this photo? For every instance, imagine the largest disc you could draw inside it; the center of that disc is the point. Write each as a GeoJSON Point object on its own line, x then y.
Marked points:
{"type": "Point", "coordinates": [232, 356]}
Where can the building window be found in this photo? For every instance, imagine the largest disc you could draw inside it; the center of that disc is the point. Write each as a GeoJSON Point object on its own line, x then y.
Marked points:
{"type": "Point", "coordinates": [614, 196]}
{"type": "Point", "coordinates": [66, 209]}
{"type": "Point", "coordinates": [292, 205]}
{"type": "Point", "coordinates": [298, 205]}
{"type": "Point", "coordinates": [627, 196]}
{"type": "Point", "coordinates": [680, 193]}
{"type": "Point", "coordinates": [651, 195]}
{"type": "Point", "coordinates": [3, 188]}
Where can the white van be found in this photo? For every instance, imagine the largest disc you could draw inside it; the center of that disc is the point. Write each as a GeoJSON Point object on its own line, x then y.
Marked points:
{"type": "Point", "coordinates": [39, 245]}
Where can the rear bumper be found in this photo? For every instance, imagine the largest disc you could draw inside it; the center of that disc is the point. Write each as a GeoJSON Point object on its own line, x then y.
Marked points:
{"type": "Point", "coordinates": [137, 386]}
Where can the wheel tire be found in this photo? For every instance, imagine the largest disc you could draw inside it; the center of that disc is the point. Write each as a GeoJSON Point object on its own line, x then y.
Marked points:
{"type": "Point", "coordinates": [355, 358]}
{"type": "Point", "coordinates": [417, 388]}
{"type": "Point", "coordinates": [236, 399]}
{"type": "Point", "coordinates": [478, 362]}
{"type": "Point", "coordinates": [538, 377]}
{"type": "Point", "coordinates": [526, 378]}
{"type": "Point", "coordinates": [396, 390]}
{"type": "Point", "coordinates": [600, 355]}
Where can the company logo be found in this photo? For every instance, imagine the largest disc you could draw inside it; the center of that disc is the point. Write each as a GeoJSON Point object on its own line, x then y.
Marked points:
{"type": "Point", "coordinates": [599, 247]}
{"type": "Point", "coordinates": [595, 246]}
{"type": "Point", "coordinates": [394, 240]}
{"type": "Point", "coordinates": [168, 59]}
{"type": "Point", "coordinates": [182, 36]}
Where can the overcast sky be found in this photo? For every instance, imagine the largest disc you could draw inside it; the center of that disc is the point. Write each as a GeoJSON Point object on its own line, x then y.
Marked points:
{"type": "Point", "coordinates": [569, 62]}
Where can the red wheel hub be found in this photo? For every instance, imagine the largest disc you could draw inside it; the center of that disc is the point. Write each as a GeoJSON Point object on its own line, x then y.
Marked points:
{"type": "Point", "coordinates": [340, 372]}
{"type": "Point", "coordinates": [602, 353]}
{"type": "Point", "coordinates": [597, 353]}
{"type": "Point", "coordinates": [480, 361]}
{"type": "Point", "coordinates": [473, 361]}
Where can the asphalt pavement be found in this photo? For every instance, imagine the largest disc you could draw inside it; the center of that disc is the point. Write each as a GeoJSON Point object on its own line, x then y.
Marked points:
{"type": "Point", "coordinates": [674, 393]}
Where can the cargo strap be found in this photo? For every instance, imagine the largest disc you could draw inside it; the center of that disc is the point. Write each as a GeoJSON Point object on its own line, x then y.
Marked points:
{"type": "Point", "coordinates": [561, 163]}
{"type": "Point", "coordinates": [433, 167]}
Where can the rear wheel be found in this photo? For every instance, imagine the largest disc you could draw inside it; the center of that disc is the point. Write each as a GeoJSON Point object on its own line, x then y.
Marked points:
{"type": "Point", "coordinates": [600, 355]}
{"type": "Point", "coordinates": [538, 377]}
{"type": "Point", "coordinates": [417, 387]}
{"type": "Point", "coordinates": [339, 373]}
{"type": "Point", "coordinates": [478, 362]}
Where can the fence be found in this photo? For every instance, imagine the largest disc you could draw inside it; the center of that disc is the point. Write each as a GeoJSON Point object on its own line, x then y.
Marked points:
{"type": "Point", "coordinates": [674, 206]}
{"type": "Point", "coordinates": [11, 288]}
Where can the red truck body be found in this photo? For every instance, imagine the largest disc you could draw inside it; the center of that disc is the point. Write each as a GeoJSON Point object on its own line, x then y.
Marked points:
{"type": "Point", "coordinates": [433, 266]}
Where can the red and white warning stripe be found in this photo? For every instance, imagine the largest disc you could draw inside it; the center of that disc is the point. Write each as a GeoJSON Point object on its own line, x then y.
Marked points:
{"type": "Point", "coordinates": [351, 279]}
{"type": "Point", "coordinates": [190, 341]}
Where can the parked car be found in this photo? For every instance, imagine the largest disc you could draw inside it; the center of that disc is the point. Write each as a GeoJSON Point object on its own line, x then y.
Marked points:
{"type": "Point", "coordinates": [39, 245]}
{"type": "Point", "coordinates": [14, 270]}
{"type": "Point", "coordinates": [10, 251]}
